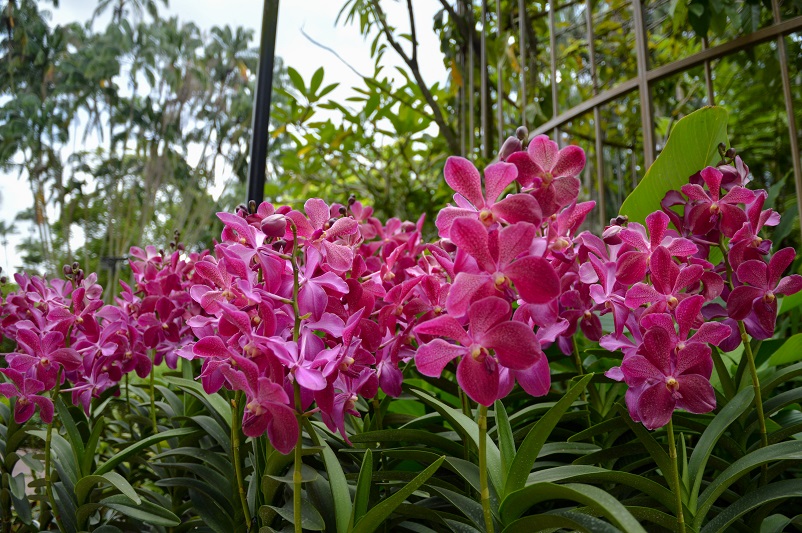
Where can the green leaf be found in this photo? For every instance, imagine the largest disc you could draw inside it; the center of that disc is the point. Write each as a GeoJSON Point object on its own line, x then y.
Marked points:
{"type": "Point", "coordinates": [789, 352]}
{"type": "Point", "coordinates": [121, 456]}
{"type": "Point", "coordinates": [296, 80]}
{"type": "Point", "coordinates": [317, 79]}
{"type": "Point", "coordinates": [76, 442]}
{"type": "Point", "coordinates": [530, 447]}
{"type": "Point", "coordinates": [362, 496]}
{"type": "Point", "coordinates": [310, 517]}
{"type": "Point", "coordinates": [378, 514]}
{"type": "Point", "coordinates": [704, 448]}
{"type": "Point", "coordinates": [339, 485]}
{"type": "Point", "coordinates": [467, 428]}
{"type": "Point", "coordinates": [790, 302]}
{"type": "Point", "coordinates": [85, 485]}
{"type": "Point", "coordinates": [572, 521]}
{"type": "Point", "coordinates": [645, 437]}
{"type": "Point", "coordinates": [91, 445]}
{"type": "Point", "coordinates": [414, 436]}
{"type": "Point", "coordinates": [791, 450]}
{"type": "Point", "coordinates": [215, 401]}
{"type": "Point", "coordinates": [518, 502]}
{"type": "Point", "coordinates": [781, 490]}
{"type": "Point", "coordinates": [146, 511]}
{"type": "Point", "coordinates": [505, 440]}
{"type": "Point", "coordinates": [692, 145]}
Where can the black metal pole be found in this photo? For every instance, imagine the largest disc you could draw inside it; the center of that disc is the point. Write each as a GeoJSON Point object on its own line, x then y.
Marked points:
{"type": "Point", "coordinates": [261, 108]}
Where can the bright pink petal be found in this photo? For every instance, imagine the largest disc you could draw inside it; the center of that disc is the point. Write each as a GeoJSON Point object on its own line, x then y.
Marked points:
{"type": "Point", "coordinates": [657, 349]}
{"type": "Point", "coordinates": [463, 177]}
{"type": "Point", "coordinates": [535, 380]}
{"type": "Point", "coordinates": [741, 300]}
{"type": "Point", "coordinates": [514, 240]}
{"type": "Point", "coordinates": [466, 289]}
{"type": "Point", "coordinates": [447, 216]}
{"type": "Point", "coordinates": [655, 406]}
{"type": "Point", "coordinates": [535, 279]}
{"type": "Point", "coordinates": [515, 344]}
{"type": "Point", "coordinates": [657, 223]}
{"type": "Point", "coordinates": [566, 190]}
{"type": "Point", "coordinates": [543, 152]}
{"type": "Point", "coordinates": [688, 275]}
{"type": "Point", "coordinates": [641, 294]}
{"type": "Point", "coordinates": [317, 211]}
{"type": "Point", "coordinates": [696, 394]}
{"type": "Point", "coordinates": [478, 381]}
{"type": "Point", "coordinates": [343, 226]}
{"type": "Point", "coordinates": [754, 272]}
{"type": "Point", "coordinates": [778, 264]}
{"type": "Point", "coordinates": [445, 326]}
{"type": "Point", "coordinates": [45, 408]}
{"type": "Point", "coordinates": [631, 267]}
{"type": "Point", "coordinates": [282, 430]}
{"type": "Point", "coordinates": [687, 313]}
{"type": "Point", "coordinates": [470, 235]}
{"type": "Point", "coordinates": [338, 257]}
{"type": "Point", "coordinates": [637, 369]}
{"type": "Point", "coordinates": [518, 208]}
{"type": "Point", "coordinates": [570, 162]}
{"type": "Point", "coordinates": [739, 195]}
{"type": "Point", "coordinates": [695, 192]}
{"type": "Point", "coordinates": [695, 359]}
{"type": "Point", "coordinates": [681, 247]}
{"type": "Point", "coordinates": [528, 170]}
{"type": "Point", "coordinates": [712, 177]}
{"type": "Point", "coordinates": [211, 347]}
{"type": "Point", "coordinates": [789, 285]}
{"type": "Point", "coordinates": [497, 177]}
{"type": "Point", "coordinates": [732, 219]}
{"type": "Point", "coordinates": [486, 313]}
{"type": "Point", "coordinates": [712, 333]}
{"type": "Point", "coordinates": [433, 357]}
{"type": "Point", "coordinates": [664, 270]}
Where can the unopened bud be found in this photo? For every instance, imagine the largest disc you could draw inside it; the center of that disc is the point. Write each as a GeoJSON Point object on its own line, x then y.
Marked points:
{"type": "Point", "coordinates": [76, 266]}
{"type": "Point", "coordinates": [522, 133]}
{"type": "Point", "coordinates": [252, 206]}
{"type": "Point", "coordinates": [510, 146]}
{"type": "Point", "coordinates": [343, 211]}
{"type": "Point", "coordinates": [67, 270]}
{"type": "Point", "coordinates": [351, 200]}
{"type": "Point", "coordinates": [274, 225]}
{"type": "Point", "coordinates": [730, 154]}
{"type": "Point", "coordinates": [3, 280]}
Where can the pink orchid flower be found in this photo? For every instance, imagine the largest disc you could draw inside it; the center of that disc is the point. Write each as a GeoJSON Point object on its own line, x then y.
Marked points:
{"type": "Point", "coordinates": [500, 266]}
{"type": "Point", "coordinates": [491, 342]}
{"type": "Point", "coordinates": [462, 176]}
{"type": "Point", "coordinates": [709, 207]}
{"type": "Point", "coordinates": [551, 172]}
{"type": "Point", "coordinates": [660, 382]}
{"type": "Point", "coordinates": [26, 390]}
{"type": "Point", "coordinates": [763, 283]}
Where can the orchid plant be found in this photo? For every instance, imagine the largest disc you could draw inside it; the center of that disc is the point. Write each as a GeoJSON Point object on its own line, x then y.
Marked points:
{"type": "Point", "coordinates": [308, 320]}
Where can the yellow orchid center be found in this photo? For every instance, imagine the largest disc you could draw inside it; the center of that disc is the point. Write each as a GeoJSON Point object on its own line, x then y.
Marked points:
{"type": "Point", "coordinates": [672, 384]}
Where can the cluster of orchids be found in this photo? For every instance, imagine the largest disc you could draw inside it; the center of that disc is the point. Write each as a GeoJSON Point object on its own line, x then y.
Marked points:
{"type": "Point", "coordinates": [304, 312]}
{"type": "Point", "coordinates": [67, 337]}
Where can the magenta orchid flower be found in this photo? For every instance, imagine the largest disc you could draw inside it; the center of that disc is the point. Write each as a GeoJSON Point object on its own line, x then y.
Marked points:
{"type": "Point", "coordinates": [660, 382]}
{"type": "Point", "coordinates": [26, 390]}
{"type": "Point", "coordinates": [42, 355]}
{"type": "Point", "coordinates": [500, 266]}
{"type": "Point", "coordinates": [551, 172]}
{"type": "Point", "coordinates": [462, 176]}
{"type": "Point", "coordinates": [709, 207]}
{"type": "Point", "coordinates": [763, 283]}
{"type": "Point", "coordinates": [668, 281]}
{"type": "Point", "coordinates": [633, 265]}
{"type": "Point", "coordinates": [491, 342]}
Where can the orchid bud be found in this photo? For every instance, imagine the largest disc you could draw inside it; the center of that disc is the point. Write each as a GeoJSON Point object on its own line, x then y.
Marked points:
{"type": "Point", "coordinates": [351, 200]}
{"type": "Point", "coordinates": [67, 269]}
{"type": "Point", "coordinates": [274, 225]}
{"type": "Point", "coordinates": [343, 211]}
{"type": "Point", "coordinates": [251, 206]}
{"type": "Point", "coordinates": [3, 280]}
{"type": "Point", "coordinates": [510, 146]}
{"type": "Point", "coordinates": [522, 133]}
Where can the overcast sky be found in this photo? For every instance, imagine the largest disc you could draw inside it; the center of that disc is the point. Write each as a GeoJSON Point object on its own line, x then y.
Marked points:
{"type": "Point", "coordinates": [315, 17]}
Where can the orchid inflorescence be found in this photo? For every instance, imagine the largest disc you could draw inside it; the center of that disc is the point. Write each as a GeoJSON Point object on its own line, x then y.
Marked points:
{"type": "Point", "coordinates": [307, 312]}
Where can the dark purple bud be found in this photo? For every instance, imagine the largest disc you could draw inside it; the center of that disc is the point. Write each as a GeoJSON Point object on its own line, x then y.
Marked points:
{"type": "Point", "coordinates": [67, 270]}
{"type": "Point", "coordinates": [351, 200]}
{"type": "Point", "coordinates": [274, 225]}
{"type": "Point", "coordinates": [522, 133]}
{"type": "Point", "coordinates": [510, 146]}
{"type": "Point", "coordinates": [3, 280]}
{"type": "Point", "coordinates": [252, 206]}
{"type": "Point", "coordinates": [343, 211]}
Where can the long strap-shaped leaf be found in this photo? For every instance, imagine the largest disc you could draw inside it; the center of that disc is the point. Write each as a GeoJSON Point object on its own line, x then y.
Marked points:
{"type": "Point", "coordinates": [468, 429]}
{"type": "Point", "coordinates": [790, 488]}
{"type": "Point", "coordinates": [776, 452]}
{"type": "Point", "coordinates": [701, 452]}
{"type": "Point", "coordinates": [531, 445]}
{"type": "Point", "coordinates": [119, 457]}
{"type": "Point", "coordinates": [517, 503]}
{"type": "Point", "coordinates": [339, 485]}
{"type": "Point", "coordinates": [571, 521]}
{"type": "Point", "coordinates": [385, 508]}
{"type": "Point", "coordinates": [363, 483]}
